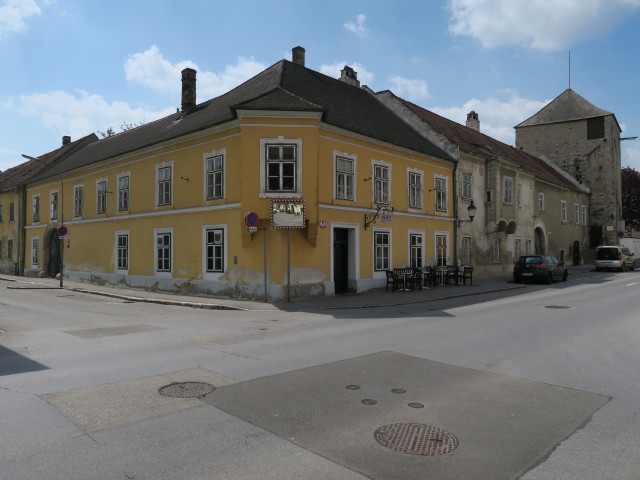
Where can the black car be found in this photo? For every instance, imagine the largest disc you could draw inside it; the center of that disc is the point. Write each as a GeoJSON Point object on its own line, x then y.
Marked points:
{"type": "Point", "coordinates": [543, 268]}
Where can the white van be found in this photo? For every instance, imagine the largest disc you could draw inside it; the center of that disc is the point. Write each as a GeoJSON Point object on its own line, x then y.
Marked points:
{"type": "Point", "coordinates": [613, 257]}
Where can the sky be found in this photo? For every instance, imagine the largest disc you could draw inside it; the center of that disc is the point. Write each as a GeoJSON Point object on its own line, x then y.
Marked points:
{"type": "Point", "coordinates": [74, 67]}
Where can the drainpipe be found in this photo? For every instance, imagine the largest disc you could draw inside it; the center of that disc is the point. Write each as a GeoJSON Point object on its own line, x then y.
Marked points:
{"type": "Point", "coordinates": [455, 212]}
{"type": "Point", "coordinates": [22, 221]}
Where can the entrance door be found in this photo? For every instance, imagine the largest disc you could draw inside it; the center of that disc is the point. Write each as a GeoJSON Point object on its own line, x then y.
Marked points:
{"type": "Point", "coordinates": [595, 236]}
{"type": "Point", "coordinates": [54, 254]}
{"type": "Point", "coordinates": [341, 260]}
{"type": "Point", "coordinates": [576, 253]}
{"type": "Point", "coordinates": [539, 239]}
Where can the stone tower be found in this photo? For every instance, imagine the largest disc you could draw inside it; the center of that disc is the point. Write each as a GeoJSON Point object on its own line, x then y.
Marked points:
{"type": "Point", "coordinates": [584, 141]}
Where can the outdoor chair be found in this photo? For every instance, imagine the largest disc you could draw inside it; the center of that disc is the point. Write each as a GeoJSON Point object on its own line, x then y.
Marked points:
{"type": "Point", "coordinates": [414, 279]}
{"type": "Point", "coordinates": [466, 273]}
{"type": "Point", "coordinates": [392, 281]}
{"type": "Point", "coordinates": [451, 274]}
{"type": "Point", "coordinates": [430, 277]}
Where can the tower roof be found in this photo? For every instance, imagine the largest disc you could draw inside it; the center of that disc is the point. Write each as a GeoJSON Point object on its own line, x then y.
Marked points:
{"type": "Point", "coordinates": [568, 106]}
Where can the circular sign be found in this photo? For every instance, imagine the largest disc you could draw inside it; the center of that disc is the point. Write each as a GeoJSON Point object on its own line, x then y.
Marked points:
{"type": "Point", "coordinates": [251, 219]}
{"type": "Point", "coordinates": [62, 230]}
{"type": "Point", "coordinates": [621, 234]}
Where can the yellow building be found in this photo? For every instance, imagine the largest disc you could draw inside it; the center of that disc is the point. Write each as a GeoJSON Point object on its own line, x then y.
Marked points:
{"type": "Point", "coordinates": [294, 177]}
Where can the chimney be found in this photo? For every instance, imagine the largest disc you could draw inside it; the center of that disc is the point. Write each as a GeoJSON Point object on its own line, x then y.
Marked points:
{"type": "Point", "coordinates": [297, 55]}
{"type": "Point", "coordinates": [473, 121]}
{"type": "Point", "coordinates": [188, 89]}
{"type": "Point", "coordinates": [66, 140]}
{"type": "Point", "coordinates": [350, 76]}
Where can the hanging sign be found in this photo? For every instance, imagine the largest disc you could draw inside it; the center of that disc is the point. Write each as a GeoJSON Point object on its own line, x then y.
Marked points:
{"type": "Point", "coordinates": [251, 219]}
{"type": "Point", "coordinates": [62, 230]}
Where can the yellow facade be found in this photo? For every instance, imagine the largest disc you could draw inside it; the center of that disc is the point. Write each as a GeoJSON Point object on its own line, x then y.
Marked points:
{"type": "Point", "coordinates": [9, 230]}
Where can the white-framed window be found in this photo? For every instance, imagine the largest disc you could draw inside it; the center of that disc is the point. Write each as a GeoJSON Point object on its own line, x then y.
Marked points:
{"type": "Point", "coordinates": [53, 205]}
{"type": "Point", "coordinates": [36, 208]}
{"type": "Point", "coordinates": [441, 194]}
{"type": "Point", "coordinates": [541, 202]}
{"type": "Point", "coordinates": [381, 250]}
{"type": "Point", "coordinates": [123, 192]}
{"type": "Point", "coordinates": [415, 189]}
{"type": "Point", "coordinates": [576, 214]}
{"type": "Point", "coordinates": [442, 248]}
{"type": "Point", "coordinates": [78, 200]}
{"type": "Point", "coordinates": [281, 168]}
{"type": "Point", "coordinates": [381, 182]}
{"type": "Point", "coordinates": [563, 211]}
{"type": "Point", "coordinates": [12, 212]}
{"type": "Point", "coordinates": [465, 250]}
{"type": "Point", "coordinates": [527, 246]}
{"type": "Point", "coordinates": [416, 249]}
{"type": "Point", "coordinates": [164, 176]}
{"type": "Point", "coordinates": [163, 251]}
{"type": "Point", "coordinates": [215, 249]}
{"type": "Point", "coordinates": [1, 213]}
{"type": "Point", "coordinates": [10, 249]}
{"type": "Point", "coordinates": [519, 195]}
{"type": "Point", "coordinates": [101, 196]}
{"type": "Point", "coordinates": [508, 191]}
{"type": "Point", "coordinates": [345, 168]}
{"type": "Point", "coordinates": [214, 166]}
{"type": "Point", "coordinates": [517, 248]}
{"type": "Point", "coordinates": [122, 251]}
{"type": "Point", "coordinates": [495, 255]}
{"type": "Point", "coordinates": [584, 214]}
{"type": "Point", "coordinates": [467, 185]}
{"type": "Point", "coordinates": [35, 251]}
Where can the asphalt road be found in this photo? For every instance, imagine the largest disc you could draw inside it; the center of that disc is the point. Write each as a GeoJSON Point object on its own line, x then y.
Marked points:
{"type": "Point", "coordinates": [538, 383]}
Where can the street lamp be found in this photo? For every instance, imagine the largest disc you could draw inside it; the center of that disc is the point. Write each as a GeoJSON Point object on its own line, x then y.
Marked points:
{"type": "Point", "coordinates": [472, 213]}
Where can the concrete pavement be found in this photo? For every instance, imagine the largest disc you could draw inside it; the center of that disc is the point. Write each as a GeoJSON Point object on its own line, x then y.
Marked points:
{"type": "Point", "coordinates": [369, 299]}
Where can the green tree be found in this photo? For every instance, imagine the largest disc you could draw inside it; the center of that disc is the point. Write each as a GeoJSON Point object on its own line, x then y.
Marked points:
{"type": "Point", "coordinates": [631, 197]}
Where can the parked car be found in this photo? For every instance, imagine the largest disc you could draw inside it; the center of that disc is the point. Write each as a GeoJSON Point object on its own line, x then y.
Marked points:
{"type": "Point", "coordinates": [614, 257]}
{"type": "Point", "coordinates": [542, 268]}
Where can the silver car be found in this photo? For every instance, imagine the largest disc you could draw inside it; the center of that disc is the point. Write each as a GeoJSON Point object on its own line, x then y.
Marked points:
{"type": "Point", "coordinates": [613, 257]}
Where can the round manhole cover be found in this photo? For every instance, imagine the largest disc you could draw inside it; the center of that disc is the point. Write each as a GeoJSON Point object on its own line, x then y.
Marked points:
{"type": "Point", "coordinates": [369, 401]}
{"type": "Point", "coordinates": [187, 389]}
{"type": "Point", "coordinates": [416, 439]}
{"type": "Point", "coordinates": [352, 387]}
{"type": "Point", "coordinates": [416, 405]}
{"type": "Point", "coordinates": [399, 391]}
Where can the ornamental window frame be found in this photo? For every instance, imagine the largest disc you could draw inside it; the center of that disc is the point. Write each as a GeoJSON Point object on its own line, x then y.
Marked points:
{"type": "Point", "coordinates": [344, 184]}
{"type": "Point", "coordinates": [296, 190]}
{"type": "Point", "coordinates": [215, 167]}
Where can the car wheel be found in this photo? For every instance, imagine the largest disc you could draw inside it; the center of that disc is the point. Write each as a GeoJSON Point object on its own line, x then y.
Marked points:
{"type": "Point", "coordinates": [564, 276]}
{"type": "Point", "coordinates": [549, 278]}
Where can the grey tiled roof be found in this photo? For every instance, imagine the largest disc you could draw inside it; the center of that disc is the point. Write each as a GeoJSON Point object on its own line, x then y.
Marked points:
{"type": "Point", "coordinates": [283, 86]}
{"type": "Point", "coordinates": [566, 107]}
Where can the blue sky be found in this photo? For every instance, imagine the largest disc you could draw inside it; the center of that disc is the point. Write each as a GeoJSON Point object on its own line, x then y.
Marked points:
{"type": "Point", "coordinates": [72, 67]}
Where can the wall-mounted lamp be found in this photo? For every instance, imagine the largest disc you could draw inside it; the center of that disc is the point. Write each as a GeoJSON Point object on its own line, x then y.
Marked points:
{"type": "Point", "coordinates": [472, 213]}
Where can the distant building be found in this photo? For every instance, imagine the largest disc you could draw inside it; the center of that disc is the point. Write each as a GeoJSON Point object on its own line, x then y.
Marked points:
{"type": "Point", "coordinates": [584, 141]}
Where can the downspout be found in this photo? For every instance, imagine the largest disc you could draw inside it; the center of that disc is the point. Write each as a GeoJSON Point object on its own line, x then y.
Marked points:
{"type": "Point", "coordinates": [22, 221]}
{"type": "Point", "coordinates": [455, 211]}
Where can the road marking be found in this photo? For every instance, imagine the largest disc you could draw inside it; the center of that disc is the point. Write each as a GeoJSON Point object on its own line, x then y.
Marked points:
{"type": "Point", "coordinates": [629, 284]}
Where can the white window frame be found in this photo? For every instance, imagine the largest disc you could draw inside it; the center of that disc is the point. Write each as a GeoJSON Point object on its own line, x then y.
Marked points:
{"type": "Point", "coordinates": [35, 251]}
{"type": "Point", "coordinates": [417, 247]}
{"type": "Point", "coordinates": [123, 270]}
{"type": "Point", "coordinates": [415, 198]}
{"type": "Point", "coordinates": [345, 176]}
{"type": "Point", "coordinates": [507, 197]}
{"type": "Point", "coordinates": [517, 248]}
{"type": "Point", "coordinates": [35, 203]}
{"type": "Point", "coordinates": [156, 233]}
{"type": "Point", "coordinates": [466, 188]}
{"type": "Point", "coordinates": [388, 247]}
{"type": "Point", "coordinates": [264, 142]}
{"type": "Point", "coordinates": [576, 214]}
{"type": "Point", "coordinates": [10, 249]}
{"type": "Point", "coordinates": [101, 196]}
{"type": "Point", "coordinates": [218, 175]}
{"type": "Point", "coordinates": [380, 186]}
{"type": "Point", "coordinates": [162, 202]}
{"type": "Point", "coordinates": [519, 195]}
{"type": "Point", "coordinates": [563, 211]}
{"type": "Point", "coordinates": [441, 260]}
{"type": "Point", "coordinates": [214, 274]}
{"type": "Point", "coordinates": [541, 202]}
{"type": "Point", "coordinates": [441, 194]}
{"type": "Point", "coordinates": [528, 246]}
{"type": "Point", "coordinates": [54, 205]}
{"type": "Point", "coordinates": [584, 214]}
{"type": "Point", "coordinates": [124, 194]}
{"type": "Point", "coordinates": [465, 250]}
{"type": "Point", "coordinates": [495, 251]}
{"type": "Point", "coordinates": [12, 212]}
{"type": "Point", "coordinates": [78, 200]}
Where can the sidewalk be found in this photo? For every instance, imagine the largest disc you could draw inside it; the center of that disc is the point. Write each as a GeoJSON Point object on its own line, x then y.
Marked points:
{"type": "Point", "coordinates": [370, 299]}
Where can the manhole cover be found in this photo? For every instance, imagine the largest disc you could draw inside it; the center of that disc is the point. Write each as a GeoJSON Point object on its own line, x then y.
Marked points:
{"type": "Point", "coordinates": [416, 405]}
{"type": "Point", "coordinates": [369, 401]}
{"type": "Point", "coordinates": [352, 387]}
{"type": "Point", "coordinates": [556, 306]}
{"type": "Point", "coordinates": [416, 439]}
{"type": "Point", "coordinates": [187, 389]}
{"type": "Point", "coordinates": [398, 390]}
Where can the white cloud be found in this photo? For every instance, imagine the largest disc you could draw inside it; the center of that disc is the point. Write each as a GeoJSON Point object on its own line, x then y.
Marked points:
{"type": "Point", "coordinates": [151, 69]}
{"type": "Point", "coordinates": [13, 14]}
{"type": "Point", "coordinates": [411, 89]}
{"type": "Point", "coordinates": [364, 76]}
{"type": "Point", "coordinates": [81, 113]}
{"type": "Point", "coordinates": [497, 116]}
{"type": "Point", "coordinates": [537, 24]}
{"type": "Point", "coordinates": [358, 28]}
{"type": "Point", "coordinates": [631, 157]}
